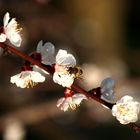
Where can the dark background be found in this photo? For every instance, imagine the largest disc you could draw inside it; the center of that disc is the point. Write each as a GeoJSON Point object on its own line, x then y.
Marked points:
{"type": "Point", "coordinates": [103, 35]}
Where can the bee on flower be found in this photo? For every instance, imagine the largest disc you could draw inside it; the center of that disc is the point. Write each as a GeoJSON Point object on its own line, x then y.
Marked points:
{"type": "Point", "coordinates": [10, 31]}
{"type": "Point", "coordinates": [64, 64]}
{"type": "Point", "coordinates": [126, 110]}
{"type": "Point", "coordinates": [27, 78]}
{"type": "Point", "coordinates": [71, 100]}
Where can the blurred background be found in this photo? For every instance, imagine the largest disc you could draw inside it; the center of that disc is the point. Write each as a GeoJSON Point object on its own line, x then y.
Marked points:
{"type": "Point", "coordinates": [103, 35]}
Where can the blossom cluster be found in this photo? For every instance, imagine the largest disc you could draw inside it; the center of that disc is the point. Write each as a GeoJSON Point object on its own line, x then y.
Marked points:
{"type": "Point", "coordinates": [62, 66]}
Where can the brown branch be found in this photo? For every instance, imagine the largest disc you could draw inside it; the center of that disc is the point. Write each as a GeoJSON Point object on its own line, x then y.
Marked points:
{"type": "Point", "coordinates": [22, 55]}
{"type": "Point", "coordinates": [35, 62]}
{"type": "Point", "coordinates": [74, 87]}
{"type": "Point", "coordinates": [135, 127]}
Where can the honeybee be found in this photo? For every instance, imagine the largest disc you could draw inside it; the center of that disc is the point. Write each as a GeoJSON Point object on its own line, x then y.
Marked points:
{"type": "Point", "coordinates": [77, 71]}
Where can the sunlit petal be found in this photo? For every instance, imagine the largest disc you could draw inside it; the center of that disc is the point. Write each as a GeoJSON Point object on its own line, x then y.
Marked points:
{"type": "Point", "coordinates": [2, 37]}
{"type": "Point", "coordinates": [63, 58]}
{"type": "Point", "coordinates": [6, 19]}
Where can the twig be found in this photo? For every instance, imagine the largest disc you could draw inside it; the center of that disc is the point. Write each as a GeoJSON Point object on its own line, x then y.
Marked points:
{"type": "Point", "coordinates": [89, 94]}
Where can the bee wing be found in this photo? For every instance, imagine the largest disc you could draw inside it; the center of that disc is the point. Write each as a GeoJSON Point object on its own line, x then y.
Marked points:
{"type": "Point", "coordinates": [47, 52]}
{"type": "Point", "coordinates": [63, 58]}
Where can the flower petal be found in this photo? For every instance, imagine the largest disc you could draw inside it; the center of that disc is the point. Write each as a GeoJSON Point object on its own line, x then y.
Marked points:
{"type": "Point", "coordinates": [47, 52]}
{"type": "Point", "coordinates": [63, 58]}
{"type": "Point", "coordinates": [77, 98]}
{"type": "Point", "coordinates": [37, 77]}
{"type": "Point", "coordinates": [39, 46]}
{"type": "Point", "coordinates": [66, 104]}
{"type": "Point", "coordinates": [65, 80]}
{"type": "Point", "coordinates": [11, 31]}
{"type": "Point", "coordinates": [6, 19]}
{"type": "Point", "coordinates": [15, 39]}
{"type": "Point", "coordinates": [60, 101]}
{"type": "Point", "coordinates": [107, 83]}
{"type": "Point", "coordinates": [2, 37]}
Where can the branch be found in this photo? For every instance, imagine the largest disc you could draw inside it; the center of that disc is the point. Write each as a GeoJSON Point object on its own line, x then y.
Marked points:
{"type": "Point", "coordinates": [93, 95]}
{"type": "Point", "coordinates": [35, 62]}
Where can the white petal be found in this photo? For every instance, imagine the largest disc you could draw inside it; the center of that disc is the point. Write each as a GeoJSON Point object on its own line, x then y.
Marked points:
{"type": "Point", "coordinates": [2, 37]}
{"type": "Point", "coordinates": [60, 101]}
{"type": "Point", "coordinates": [14, 78]}
{"type": "Point", "coordinates": [57, 78]}
{"type": "Point", "coordinates": [39, 46]}
{"type": "Point", "coordinates": [18, 81]}
{"type": "Point", "coordinates": [6, 19]}
{"type": "Point", "coordinates": [125, 99]}
{"type": "Point", "coordinates": [66, 104]}
{"type": "Point", "coordinates": [108, 95]}
{"type": "Point", "coordinates": [11, 25]}
{"type": "Point", "coordinates": [37, 77]}
{"type": "Point", "coordinates": [77, 98]}
{"type": "Point", "coordinates": [15, 39]}
{"type": "Point", "coordinates": [47, 52]}
{"type": "Point", "coordinates": [107, 86]}
{"type": "Point", "coordinates": [63, 58]}
{"type": "Point", "coordinates": [63, 79]}
{"type": "Point", "coordinates": [49, 48]}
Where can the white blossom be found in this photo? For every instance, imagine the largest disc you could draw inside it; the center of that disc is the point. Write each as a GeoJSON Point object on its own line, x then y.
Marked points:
{"type": "Point", "coordinates": [47, 52]}
{"type": "Point", "coordinates": [11, 31]}
{"type": "Point", "coordinates": [107, 89]}
{"type": "Point", "coordinates": [126, 110]}
{"type": "Point", "coordinates": [61, 74]}
{"type": "Point", "coordinates": [27, 79]}
{"type": "Point", "coordinates": [70, 102]}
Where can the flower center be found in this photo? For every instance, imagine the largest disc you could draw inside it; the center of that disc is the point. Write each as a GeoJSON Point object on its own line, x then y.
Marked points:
{"type": "Point", "coordinates": [29, 83]}
{"type": "Point", "coordinates": [122, 110]}
{"type": "Point", "coordinates": [72, 105]}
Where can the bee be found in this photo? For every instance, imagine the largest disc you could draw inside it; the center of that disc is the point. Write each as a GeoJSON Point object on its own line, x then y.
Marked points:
{"type": "Point", "coordinates": [77, 71]}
